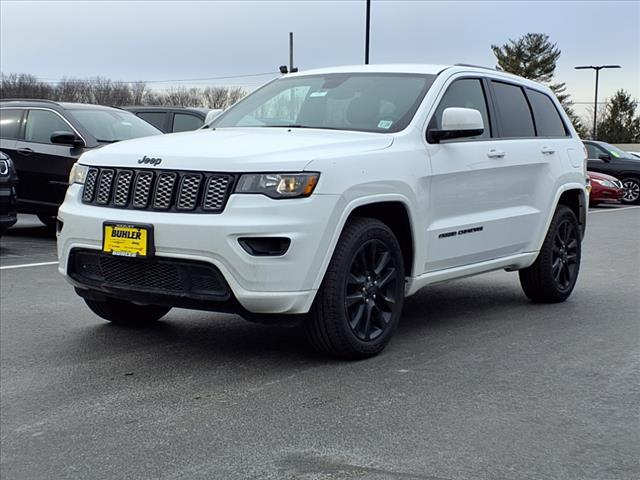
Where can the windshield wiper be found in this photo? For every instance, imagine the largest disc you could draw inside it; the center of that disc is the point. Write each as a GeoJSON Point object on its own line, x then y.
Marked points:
{"type": "Point", "coordinates": [107, 141]}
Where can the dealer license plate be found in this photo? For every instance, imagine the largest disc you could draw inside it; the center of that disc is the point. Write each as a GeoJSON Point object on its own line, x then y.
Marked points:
{"type": "Point", "coordinates": [128, 240]}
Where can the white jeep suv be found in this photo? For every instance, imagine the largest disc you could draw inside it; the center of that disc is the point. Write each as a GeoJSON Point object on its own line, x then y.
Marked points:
{"type": "Point", "coordinates": [327, 197]}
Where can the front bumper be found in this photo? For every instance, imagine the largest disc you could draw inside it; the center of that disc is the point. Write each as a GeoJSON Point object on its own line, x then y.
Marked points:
{"type": "Point", "coordinates": [260, 284]}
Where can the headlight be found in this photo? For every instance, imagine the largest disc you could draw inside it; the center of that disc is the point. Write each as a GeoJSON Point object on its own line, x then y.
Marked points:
{"type": "Point", "coordinates": [605, 183]}
{"type": "Point", "coordinates": [278, 185]}
{"type": "Point", "coordinates": [78, 174]}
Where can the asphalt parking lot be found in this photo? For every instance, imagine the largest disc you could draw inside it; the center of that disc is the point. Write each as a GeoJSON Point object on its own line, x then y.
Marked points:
{"type": "Point", "coordinates": [477, 383]}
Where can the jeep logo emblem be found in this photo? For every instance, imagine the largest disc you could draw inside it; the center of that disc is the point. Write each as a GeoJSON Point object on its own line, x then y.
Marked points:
{"type": "Point", "coordinates": [150, 161]}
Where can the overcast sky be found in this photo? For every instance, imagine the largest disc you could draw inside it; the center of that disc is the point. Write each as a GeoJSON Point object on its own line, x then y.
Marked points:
{"type": "Point", "coordinates": [162, 40]}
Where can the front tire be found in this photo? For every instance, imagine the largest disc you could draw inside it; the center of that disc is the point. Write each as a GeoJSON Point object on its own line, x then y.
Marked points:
{"type": "Point", "coordinates": [631, 194]}
{"type": "Point", "coordinates": [126, 313]}
{"type": "Point", "coordinates": [359, 303]}
{"type": "Point", "coordinates": [553, 275]}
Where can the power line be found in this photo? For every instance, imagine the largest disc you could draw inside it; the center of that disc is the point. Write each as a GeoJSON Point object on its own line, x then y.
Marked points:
{"type": "Point", "coordinates": [95, 80]}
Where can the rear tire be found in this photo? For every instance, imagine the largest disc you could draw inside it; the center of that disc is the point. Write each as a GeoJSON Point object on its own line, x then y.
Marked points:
{"type": "Point", "coordinates": [631, 190]}
{"type": "Point", "coordinates": [359, 303]}
{"type": "Point", "coordinates": [127, 313]}
{"type": "Point", "coordinates": [553, 275]}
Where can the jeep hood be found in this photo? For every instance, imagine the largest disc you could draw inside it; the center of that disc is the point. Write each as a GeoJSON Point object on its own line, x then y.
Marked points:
{"type": "Point", "coordinates": [237, 149]}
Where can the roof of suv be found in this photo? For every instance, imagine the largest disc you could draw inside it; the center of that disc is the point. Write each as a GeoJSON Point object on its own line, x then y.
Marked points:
{"type": "Point", "coordinates": [31, 102]}
{"type": "Point", "coordinates": [415, 68]}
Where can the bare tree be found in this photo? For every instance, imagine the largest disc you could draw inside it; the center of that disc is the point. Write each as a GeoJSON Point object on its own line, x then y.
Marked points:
{"type": "Point", "coordinates": [104, 91]}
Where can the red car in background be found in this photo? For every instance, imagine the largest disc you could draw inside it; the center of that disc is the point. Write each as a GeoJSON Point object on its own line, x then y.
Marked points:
{"type": "Point", "coordinates": [604, 188]}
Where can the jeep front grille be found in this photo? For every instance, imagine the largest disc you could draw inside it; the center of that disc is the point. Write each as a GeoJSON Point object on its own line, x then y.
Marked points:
{"type": "Point", "coordinates": [163, 190]}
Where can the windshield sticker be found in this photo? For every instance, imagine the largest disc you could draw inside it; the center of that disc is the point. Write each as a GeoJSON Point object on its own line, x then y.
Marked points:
{"type": "Point", "coordinates": [319, 94]}
{"type": "Point", "coordinates": [615, 154]}
{"type": "Point", "coordinates": [385, 124]}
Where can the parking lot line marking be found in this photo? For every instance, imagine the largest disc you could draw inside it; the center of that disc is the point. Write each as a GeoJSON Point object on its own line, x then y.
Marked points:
{"type": "Point", "coordinates": [614, 209]}
{"type": "Point", "coordinates": [25, 265]}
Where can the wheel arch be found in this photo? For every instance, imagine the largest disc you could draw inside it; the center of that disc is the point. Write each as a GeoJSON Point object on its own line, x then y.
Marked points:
{"type": "Point", "coordinates": [392, 210]}
{"type": "Point", "coordinates": [574, 196]}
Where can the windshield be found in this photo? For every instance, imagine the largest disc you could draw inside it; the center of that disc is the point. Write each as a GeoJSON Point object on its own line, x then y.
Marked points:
{"type": "Point", "coordinates": [616, 152]}
{"type": "Point", "coordinates": [113, 125]}
{"type": "Point", "coordinates": [369, 102]}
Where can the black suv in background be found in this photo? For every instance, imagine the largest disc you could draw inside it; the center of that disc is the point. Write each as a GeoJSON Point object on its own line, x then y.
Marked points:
{"type": "Point", "coordinates": [606, 158]}
{"type": "Point", "coordinates": [45, 139]}
{"type": "Point", "coordinates": [172, 119]}
{"type": "Point", "coordinates": [8, 182]}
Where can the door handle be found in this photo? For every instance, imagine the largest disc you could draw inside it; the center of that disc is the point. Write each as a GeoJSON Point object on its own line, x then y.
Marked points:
{"type": "Point", "coordinates": [547, 150]}
{"type": "Point", "coordinates": [493, 153]}
{"type": "Point", "coordinates": [24, 151]}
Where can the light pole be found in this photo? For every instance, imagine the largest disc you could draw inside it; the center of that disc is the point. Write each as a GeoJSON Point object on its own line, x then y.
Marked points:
{"type": "Point", "coordinates": [597, 68]}
{"type": "Point", "coordinates": [366, 33]}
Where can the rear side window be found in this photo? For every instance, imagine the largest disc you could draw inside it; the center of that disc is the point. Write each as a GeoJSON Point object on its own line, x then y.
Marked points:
{"type": "Point", "coordinates": [183, 122]}
{"type": "Point", "coordinates": [548, 120]}
{"type": "Point", "coordinates": [154, 118]}
{"type": "Point", "coordinates": [513, 111]}
{"type": "Point", "coordinates": [41, 124]}
{"type": "Point", "coordinates": [9, 123]}
{"type": "Point", "coordinates": [464, 93]}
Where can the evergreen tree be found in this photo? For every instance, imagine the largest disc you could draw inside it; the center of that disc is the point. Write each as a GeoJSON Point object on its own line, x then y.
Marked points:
{"type": "Point", "coordinates": [534, 57]}
{"type": "Point", "coordinates": [620, 123]}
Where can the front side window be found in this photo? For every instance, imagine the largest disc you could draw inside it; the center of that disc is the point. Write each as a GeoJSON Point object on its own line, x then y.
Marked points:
{"type": "Point", "coordinates": [514, 112]}
{"type": "Point", "coordinates": [368, 102]}
{"type": "Point", "coordinates": [548, 121]}
{"type": "Point", "coordinates": [108, 125]}
{"type": "Point", "coordinates": [183, 122]}
{"type": "Point", "coordinates": [9, 123]}
{"type": "Point", "coordinates": [464, 93]}
{"type": "Point", "coordinates": [593, 151]}
{"type": "Point", "coordinates": [41, 124]}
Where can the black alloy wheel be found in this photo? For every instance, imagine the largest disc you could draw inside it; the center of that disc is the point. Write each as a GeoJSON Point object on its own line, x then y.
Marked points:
{"type": "Point", "coordinates": [371, 290]}
{"type": "Point", "coordinates": [565, 255]}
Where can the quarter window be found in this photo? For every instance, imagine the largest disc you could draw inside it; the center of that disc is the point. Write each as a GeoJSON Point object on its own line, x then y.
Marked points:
{"type": "Point", "coordinates": [9, 123]}
{"type": "Point", "coordinates": [514, 112]}
{"type": "Point", "coordinates": [41, 124]}
{"type": "Point", "coordinates": [464, 93]}
{"type": "Point", "coordinates": [548, 121]}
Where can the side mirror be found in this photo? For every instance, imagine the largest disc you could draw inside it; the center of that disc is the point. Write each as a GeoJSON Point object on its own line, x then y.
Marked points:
{"type": "Point", "coordinates": [605, 157]}
{"type": "Point", "coordinates": [457, 123]}
{"type": "Point", "coordinates": [66, 138]}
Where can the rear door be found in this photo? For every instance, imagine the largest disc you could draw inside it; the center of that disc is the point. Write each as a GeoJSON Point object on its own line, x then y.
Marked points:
{"type": "Point", "coordinates": [43, 168]}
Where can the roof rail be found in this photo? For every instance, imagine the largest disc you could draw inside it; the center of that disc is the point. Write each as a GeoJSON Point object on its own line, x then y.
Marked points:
{"type": "Point", "coordinates": [474, 66]}
{"type": "Point", "coordinates": [28, 100]}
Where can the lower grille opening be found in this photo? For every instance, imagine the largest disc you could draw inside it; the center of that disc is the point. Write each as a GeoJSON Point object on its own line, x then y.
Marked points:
{"type": "Point", "coordinates": [158, 275]}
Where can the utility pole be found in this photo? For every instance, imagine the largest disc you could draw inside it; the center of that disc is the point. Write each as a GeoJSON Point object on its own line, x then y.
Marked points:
{"type": "Point", "coordinates": [290, 69]}
{"type": "Point", "coordinates": [291, 52]}
{"type": "Point", "coordinates": [366, 35]}
{"type": "Point", "coordinates": [597, 68]}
